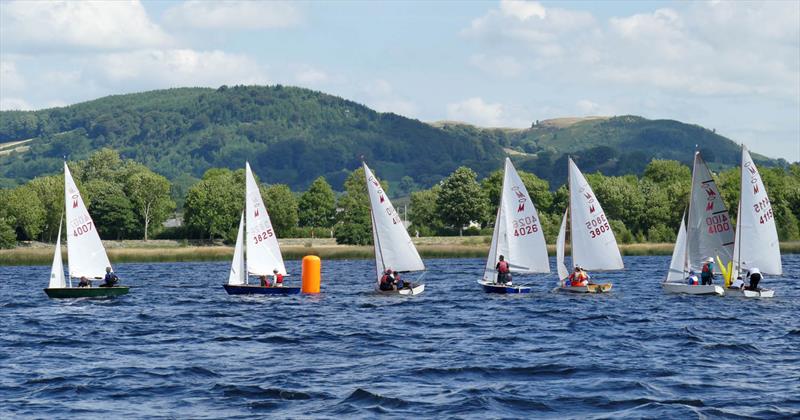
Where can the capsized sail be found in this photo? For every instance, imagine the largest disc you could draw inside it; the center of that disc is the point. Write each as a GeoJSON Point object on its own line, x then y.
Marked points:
{"type": "Point", "coordinates": [677, 266]}
{"type": "Point", "coordinates": [594, 246]}
{"type": "Point", "coordinates": [756, 236]}
{"type": "Point", "coordinates": [86, 254]}
{"type": "Point", "coordinates": [238, 274]}
{"type": "Point", "coordinates": [57, 270]}
{"type": "Point", "coordinates": [393, 246]}
{"type": "Point", "coordinates": [518, 234]}
{"type": "Point", "coordinates": [563, 273]}
{"type": "Point", "coordinates": [708, 230]}
{"type": "Point", "coordinates": [263, 251]}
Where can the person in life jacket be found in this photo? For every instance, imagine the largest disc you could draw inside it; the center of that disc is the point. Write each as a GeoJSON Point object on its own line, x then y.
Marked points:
{"type": "Point", "coordinates": [754, 277]}
{"type": "Point", "coordinates": [387, 281]}
{"type": "Point", "coordinates": [503, 269]}
{"type": "Point", "coordinates": [692, 280]}
{"type": "Point", "coordinates": [264, 281]}
{"type": "Point", "coordinates": [707, 273]}
{"type": "Point", "coordinates": [578, 277]}
{"type": "Point", "coordinates": [277, 278]}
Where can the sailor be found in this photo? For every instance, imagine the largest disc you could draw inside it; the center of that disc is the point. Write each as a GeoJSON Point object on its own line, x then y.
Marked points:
{"type": "Point", "coordinates": [264, 281]}
{"type": "Point", "coordinates": [579, 277]}
{"type": "Point", "coordinates": [277, 278]}
{"type": "Point", "coordinates": [692, 280]}
{"type": "Point", "coordinates": [754, 277]}
{"type": "Point", "coordinates": [707, 273]}
{"type": "Point", "coordinates": [398, 281]}
{"type": "Point", "coordinates": [84, 282]}
{"type": "Point", "coordinates": [503, 269]}
{"type": "Point", "coordinates": [110, 279]}
{"type": "Point", "coordinates": [387, 281]}
{"type": "Point", "coordinates": [737, 284]}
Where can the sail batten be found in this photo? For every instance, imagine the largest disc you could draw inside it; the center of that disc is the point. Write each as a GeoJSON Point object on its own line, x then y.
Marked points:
{"type": "Point", "coordinates": [86, 254]}
{"type": "Point", "coordinates": [263, 253]}
{"type": "Point", "coordinates": [393, 246]}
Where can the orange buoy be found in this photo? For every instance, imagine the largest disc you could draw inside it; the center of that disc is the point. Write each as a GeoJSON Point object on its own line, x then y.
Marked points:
{"type": "Point", "coordinates": [312, 276]}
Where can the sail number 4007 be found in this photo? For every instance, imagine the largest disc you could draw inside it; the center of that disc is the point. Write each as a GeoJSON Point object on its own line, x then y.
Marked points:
{"type": "Point", "coordinates": [525, 226]}
{"type": "Point", "coordinates": [84, 228]}
{"type": "Point", "coordinates": [263, 236]}
{"type": "Point", "coordinates": [598, 226]}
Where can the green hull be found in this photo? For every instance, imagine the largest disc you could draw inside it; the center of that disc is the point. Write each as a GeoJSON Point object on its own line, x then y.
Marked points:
{"type": "Point", "coordinates": [85, 292]}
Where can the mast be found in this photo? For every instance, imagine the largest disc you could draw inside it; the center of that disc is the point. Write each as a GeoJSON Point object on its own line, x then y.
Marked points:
{"type": "Point", "coordinates": [569, 213]}
{"type": "Point", "coordinates": [739, 216]}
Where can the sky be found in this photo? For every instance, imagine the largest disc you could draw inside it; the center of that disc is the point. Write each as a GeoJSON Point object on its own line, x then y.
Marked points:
{"type": "Point", "coordinates": [730, 66]}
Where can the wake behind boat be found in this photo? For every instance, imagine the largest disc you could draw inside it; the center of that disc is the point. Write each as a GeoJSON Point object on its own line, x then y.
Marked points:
{"type": "Point", "coordinates": [518, 244]}
{"type": "Point", "coordinates": [395, 254]}
{"type": "Point", "coordinates": [594, 246]}
{"type": "Point", "coordinates": [87, 257]}
{"type": "Point", "coordinates": [263, 254]}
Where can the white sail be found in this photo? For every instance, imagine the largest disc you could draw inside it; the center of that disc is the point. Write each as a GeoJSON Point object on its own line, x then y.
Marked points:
{"type": "Point", "coordinates": [594, 246]}
{"type": "Point", "coordinates": [708, 229]}
{"type": "Point", "coordinates": [756, 236]}
{"type": "Point", "coordinates": [85, 252]}
{"type": "Point", "coordinates": [563, 273]}
{"type": "Point", "coordinates": [489, 272]}
{"type": "Point", "coordinates": [238, 275]}
{"type": "Point", "coordinates": [57, 270]}
{"type": "Point", "coordinates": [393, 246]}
{"type": "Point", "coordinates": [677, 266]}
{"type": "Point", "coordinates": [263, 251]}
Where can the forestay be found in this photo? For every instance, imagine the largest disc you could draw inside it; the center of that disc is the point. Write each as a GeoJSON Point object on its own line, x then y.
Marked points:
{"type": "Point", "coordinates": [677, 266]}
{"type": "Point", "coordinates": [238, 275]}
{"type": "Point", "coordinates": [756, 236]}
{"type": "Point", "coordinates": [594, 246]}
{"type": "Point", "coordinates": [393, 246]}
{"type": "Point", "coordinates": [57, 271]}
{"type": "Point", "coordinates": [560, 244]}
{"type": "Point", "coordinates": [85, 252]}
{"type": "Point", "coordinates": [708, 230]}
{"type": "Point", "coordinates": [518, 234]}
{"type": "Point", "coordinates": [263, 251]}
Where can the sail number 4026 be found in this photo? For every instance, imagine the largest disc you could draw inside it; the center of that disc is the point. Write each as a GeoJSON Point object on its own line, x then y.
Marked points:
{"type": "Point", "coordinates": [525, 226]}
{"type": "Point", "coordinates": [84, 228]}
{"type": "Point", "coordinates": [263, 236]}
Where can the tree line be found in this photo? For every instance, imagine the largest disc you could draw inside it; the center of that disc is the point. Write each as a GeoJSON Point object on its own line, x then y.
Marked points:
{"type": "Point", "coordinates": [129, 201]}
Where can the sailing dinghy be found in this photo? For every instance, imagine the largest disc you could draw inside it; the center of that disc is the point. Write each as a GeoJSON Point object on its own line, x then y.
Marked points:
{"type": "Point", "coordinates": [517, 236]}
{"type": "Point", "coordinates": [594, 246]}
{"type": "Point", "coordinates": [707, 233]}
{"type": "Point", "coordinates": [757, 244]}
{"type": "Point", "coordinates": [262, 254]}
{"type": "Point", "coordinates": [86, 254]}
{"type": "Point", "coordinates": [393, 247]}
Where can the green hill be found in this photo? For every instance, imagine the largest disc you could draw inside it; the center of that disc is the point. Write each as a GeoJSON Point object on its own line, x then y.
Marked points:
{"type": "Point", "coordinates": [293, 135]}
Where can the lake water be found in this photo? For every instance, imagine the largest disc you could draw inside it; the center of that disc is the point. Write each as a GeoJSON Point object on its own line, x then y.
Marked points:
{"type": "Point", "coordinates": [178, 346]}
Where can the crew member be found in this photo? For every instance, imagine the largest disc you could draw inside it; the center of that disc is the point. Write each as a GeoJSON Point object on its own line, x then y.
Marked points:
{"type": "Point", "coordinates": [707, 273]}
{"type": "Point", "coordinates": [503, 269]}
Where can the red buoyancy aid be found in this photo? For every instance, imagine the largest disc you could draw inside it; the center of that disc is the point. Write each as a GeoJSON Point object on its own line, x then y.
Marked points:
{"type": "Point", "coordinates": [279, 278]}
{"type": "Point", "coordinates": [502, 267]}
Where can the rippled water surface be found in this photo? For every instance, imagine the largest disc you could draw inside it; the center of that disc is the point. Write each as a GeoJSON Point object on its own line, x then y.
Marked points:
{"type": "Point", "coordinates": [178, 346]}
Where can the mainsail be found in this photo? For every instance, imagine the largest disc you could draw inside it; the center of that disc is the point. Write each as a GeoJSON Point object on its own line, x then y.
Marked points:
{"type": "Point", "coordinates": [518, 234]}
{"type": "Point", "coordinates": [756, 236]}
{"type": "Point", "coordinates": [393, 246]}
{"type": "Point", "coordinates": [238, 274]}
{"type": "Point", "coordinates": [594, 246]}
{"type": "Point", "coordinates": [57, 270]}
{"type": "Point", "coordinates": [263, 252]}
{"type": "Point", "coordinates": [708, 230]}
{"type": "Point", "coordinates": [85, 252]}
{"type": "Point", "coordinates": [677, 266]}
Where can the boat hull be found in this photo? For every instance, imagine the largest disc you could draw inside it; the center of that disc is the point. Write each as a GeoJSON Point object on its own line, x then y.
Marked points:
{"type": "Point", "coordinates": [503, 289]}
{"type": "Point", "coordinates": [707, 289]}
{"type": "Point", "coordinates": [85, 292]}
{"type": "Point", "coordinates": [413, 291]}
{"type": "Point", "coordinates": [251, 289]}
{"type": "Point", "coordinates": [763, 293]}
{"type": "Point", "coordinates": [591, 288]}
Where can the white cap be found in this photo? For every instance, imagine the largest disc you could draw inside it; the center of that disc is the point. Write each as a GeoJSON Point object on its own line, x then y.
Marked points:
{"type": "Point", "coordinates": [709, 259]}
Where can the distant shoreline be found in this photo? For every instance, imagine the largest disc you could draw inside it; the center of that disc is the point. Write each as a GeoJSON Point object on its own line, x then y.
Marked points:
{"type": "Point", "coordinates": [297, 248]}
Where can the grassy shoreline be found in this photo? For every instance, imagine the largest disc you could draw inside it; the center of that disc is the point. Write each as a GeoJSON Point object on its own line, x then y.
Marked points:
{"type": "Point", "coordinates": [175, 251]}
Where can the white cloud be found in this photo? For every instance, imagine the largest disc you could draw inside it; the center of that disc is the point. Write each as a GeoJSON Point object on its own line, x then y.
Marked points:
{"type": "Point", "coordinates": [522, 10]}
{"type": "Point", "coordinates": [92, 25]}
{"type": "Point", "coordinates": [234, 14]}
{"type": "Point", "coordinates": [10, 78]}
{"type": "Point", "coordinates": [503, 65]}
{"type": "Point", "coordinates": [179, 67]}
{"type": "Point", "coordinates": [476, 111]}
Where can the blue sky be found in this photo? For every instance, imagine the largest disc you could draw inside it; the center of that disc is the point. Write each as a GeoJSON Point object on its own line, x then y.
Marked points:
{"type": "Point", "coordinates": [731, 66]}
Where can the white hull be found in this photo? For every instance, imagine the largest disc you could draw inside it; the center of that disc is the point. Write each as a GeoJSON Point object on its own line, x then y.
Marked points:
{"type": "Point", "coordinates": [708, 289]}
{"type": "Point", "coordinates": [764, 293]}
{"type": "Point", "coordinates": [417, 289]}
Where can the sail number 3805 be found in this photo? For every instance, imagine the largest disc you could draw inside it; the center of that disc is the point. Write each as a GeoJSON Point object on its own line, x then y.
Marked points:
{"type": "Point", "coordinates": [598, 226]}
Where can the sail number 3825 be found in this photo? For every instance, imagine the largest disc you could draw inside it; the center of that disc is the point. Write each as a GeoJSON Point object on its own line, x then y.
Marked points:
{"type": "Point", "coordinates": [263, 236]}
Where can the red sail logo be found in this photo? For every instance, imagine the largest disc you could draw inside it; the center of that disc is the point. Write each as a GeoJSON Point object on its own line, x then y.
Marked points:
{"type": "Point", "coordinates": [74, 204]}
{"type": "Point", "coordinates": [591, 208]}
{"type": "Point", "coordinates": [381, 198]}
{"type": "Point", "coordinates": [256, 213]}
{"type": "Point", "coordinates": [755, 189]}
{"type": "Point", "coordinates": [710, 206]}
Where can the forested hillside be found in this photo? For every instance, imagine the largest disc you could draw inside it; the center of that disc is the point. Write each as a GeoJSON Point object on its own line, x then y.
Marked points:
{"type": "Point", "coordinates": [292, 136]}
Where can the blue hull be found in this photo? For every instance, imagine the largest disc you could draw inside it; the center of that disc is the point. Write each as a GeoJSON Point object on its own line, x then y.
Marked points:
{"type": "Point", "coordinates": [505, 289]}
{"type": "Point", "coordinates": [258, 290]}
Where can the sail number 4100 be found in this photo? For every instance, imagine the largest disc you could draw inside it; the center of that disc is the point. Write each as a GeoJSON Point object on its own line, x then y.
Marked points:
{"type": "Point", "coordinates": [718, 223]}
{"type": "Point", "coordinates": [84, 228]}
